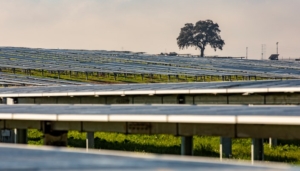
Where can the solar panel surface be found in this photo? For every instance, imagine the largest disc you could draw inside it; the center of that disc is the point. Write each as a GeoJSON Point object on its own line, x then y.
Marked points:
{"type": "Point", "coordinates": [220, 114]}
{"type": "Point", "coordinates": [156, 88]}
{"type": "Point", "coordinates": [132, 63]}
{"type": "Point", "coordinates": [48, 158]}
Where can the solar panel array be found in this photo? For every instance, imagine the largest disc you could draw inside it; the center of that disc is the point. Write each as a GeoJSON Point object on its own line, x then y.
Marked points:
{"type": "Point", "coordinates": [81, 116]}
{"type": "Point", "coordinates": [154, 112]}
{"type": "Point", "coordinates": [18, 157]}
{"type": "Point", "coordinates": [133, 63]}
{"type": "Point", "coordinates": [7, 79]}
{"type": "Point", "coordinates": [165, 88]}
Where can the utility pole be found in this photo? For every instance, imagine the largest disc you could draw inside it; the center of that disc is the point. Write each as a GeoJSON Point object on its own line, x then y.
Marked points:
{"type": "Point", "coordinates": [277, 47]}
{"type": "Point", "coordinates": [262, 54]}
{"type": "Point", "coordinates": [263, 50]}
{"type": "Point", "coordinates": [246, 52]}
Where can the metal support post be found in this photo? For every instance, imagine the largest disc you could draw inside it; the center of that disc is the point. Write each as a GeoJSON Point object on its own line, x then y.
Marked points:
{"type": "Point", "coordinates": [90, 142]}
{"type": "Point", "coordinates": [187, 145]}
{"type": "Point", "coordinates": [21, 136]}
{"type": "Point", "coordinates": [225, 147]}
{"type": "Point", "coordinates": [257, 149]}
{"type": "Point", "coordinates": [272, 142]}
{"type": "Point", "coordinates": [86, 76]}
{"type": "Point", "coordinates": [115, 76]}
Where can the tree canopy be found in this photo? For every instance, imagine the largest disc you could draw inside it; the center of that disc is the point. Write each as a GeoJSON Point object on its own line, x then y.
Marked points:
{"type": "Point", "coordinates": [199, 35]}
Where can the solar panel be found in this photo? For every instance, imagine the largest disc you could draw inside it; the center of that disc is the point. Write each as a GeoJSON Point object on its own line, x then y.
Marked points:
{"type": "Point", "coordinates": [216, 114]}
{"type": "Point", "coordinates": [18, 157]}
{"type": "Point", "coordinates": [21, 80]}
{"type": "Point", "coordinates": [132, 63]}
{"type": "Point", "coordinates": [157, 88]}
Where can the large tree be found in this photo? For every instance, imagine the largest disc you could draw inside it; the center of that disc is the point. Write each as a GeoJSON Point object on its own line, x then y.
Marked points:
{"type": "Point", "coordinates": [199, 35]}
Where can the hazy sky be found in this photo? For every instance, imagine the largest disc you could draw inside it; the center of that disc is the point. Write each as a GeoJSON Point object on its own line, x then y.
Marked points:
{"type": "Point", "coordinates": [151, 25]}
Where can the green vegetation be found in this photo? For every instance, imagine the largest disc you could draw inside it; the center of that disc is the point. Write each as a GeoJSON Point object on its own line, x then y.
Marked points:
{"type": "Point", "coordinates": [169, 144]}
{"type": "Point", "coordinates": [203, 33]}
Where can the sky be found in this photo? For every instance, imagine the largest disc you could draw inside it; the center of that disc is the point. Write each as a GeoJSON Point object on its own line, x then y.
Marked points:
{"type": "Point", "coordinates": [151, 26]}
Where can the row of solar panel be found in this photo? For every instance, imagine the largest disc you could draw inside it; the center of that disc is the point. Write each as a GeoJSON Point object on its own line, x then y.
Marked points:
{"type": "Point", "coordinates": [103, 61]}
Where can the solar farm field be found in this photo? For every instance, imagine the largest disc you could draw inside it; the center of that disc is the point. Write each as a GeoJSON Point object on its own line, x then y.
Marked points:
{"type": "Point", "coordinates": [119, 66]}
{"type": "Point", "coordinates": [127, 67]}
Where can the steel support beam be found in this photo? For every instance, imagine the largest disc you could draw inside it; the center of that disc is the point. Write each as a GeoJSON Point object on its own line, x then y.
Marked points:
{"type": "Point", "coordinates": [187, 145]}
{"type": "Point", "coordinates": [21, 136]}
{"type": "Point", "coordinates": [272, 142]}
{"type": "Point", "coordinates": [257, 149]}
{"type": "Point", "coordinates": [90, 142]}
{"type": "Point", "coordinates": [225, 147]}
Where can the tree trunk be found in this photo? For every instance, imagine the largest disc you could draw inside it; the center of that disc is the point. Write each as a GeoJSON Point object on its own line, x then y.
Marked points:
{"type": "Point", "coordinates": [202, 52]}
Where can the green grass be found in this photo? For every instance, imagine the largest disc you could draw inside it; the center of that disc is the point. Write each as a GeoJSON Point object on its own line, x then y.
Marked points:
{"type": "Point", "coordinates": [35, 137]}
{"type": "Point", "coordinates": [169, 144]}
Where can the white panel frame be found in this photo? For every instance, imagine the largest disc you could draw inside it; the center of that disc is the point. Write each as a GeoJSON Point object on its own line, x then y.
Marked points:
{"type": "Point", "coordinates": [137, 118]}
